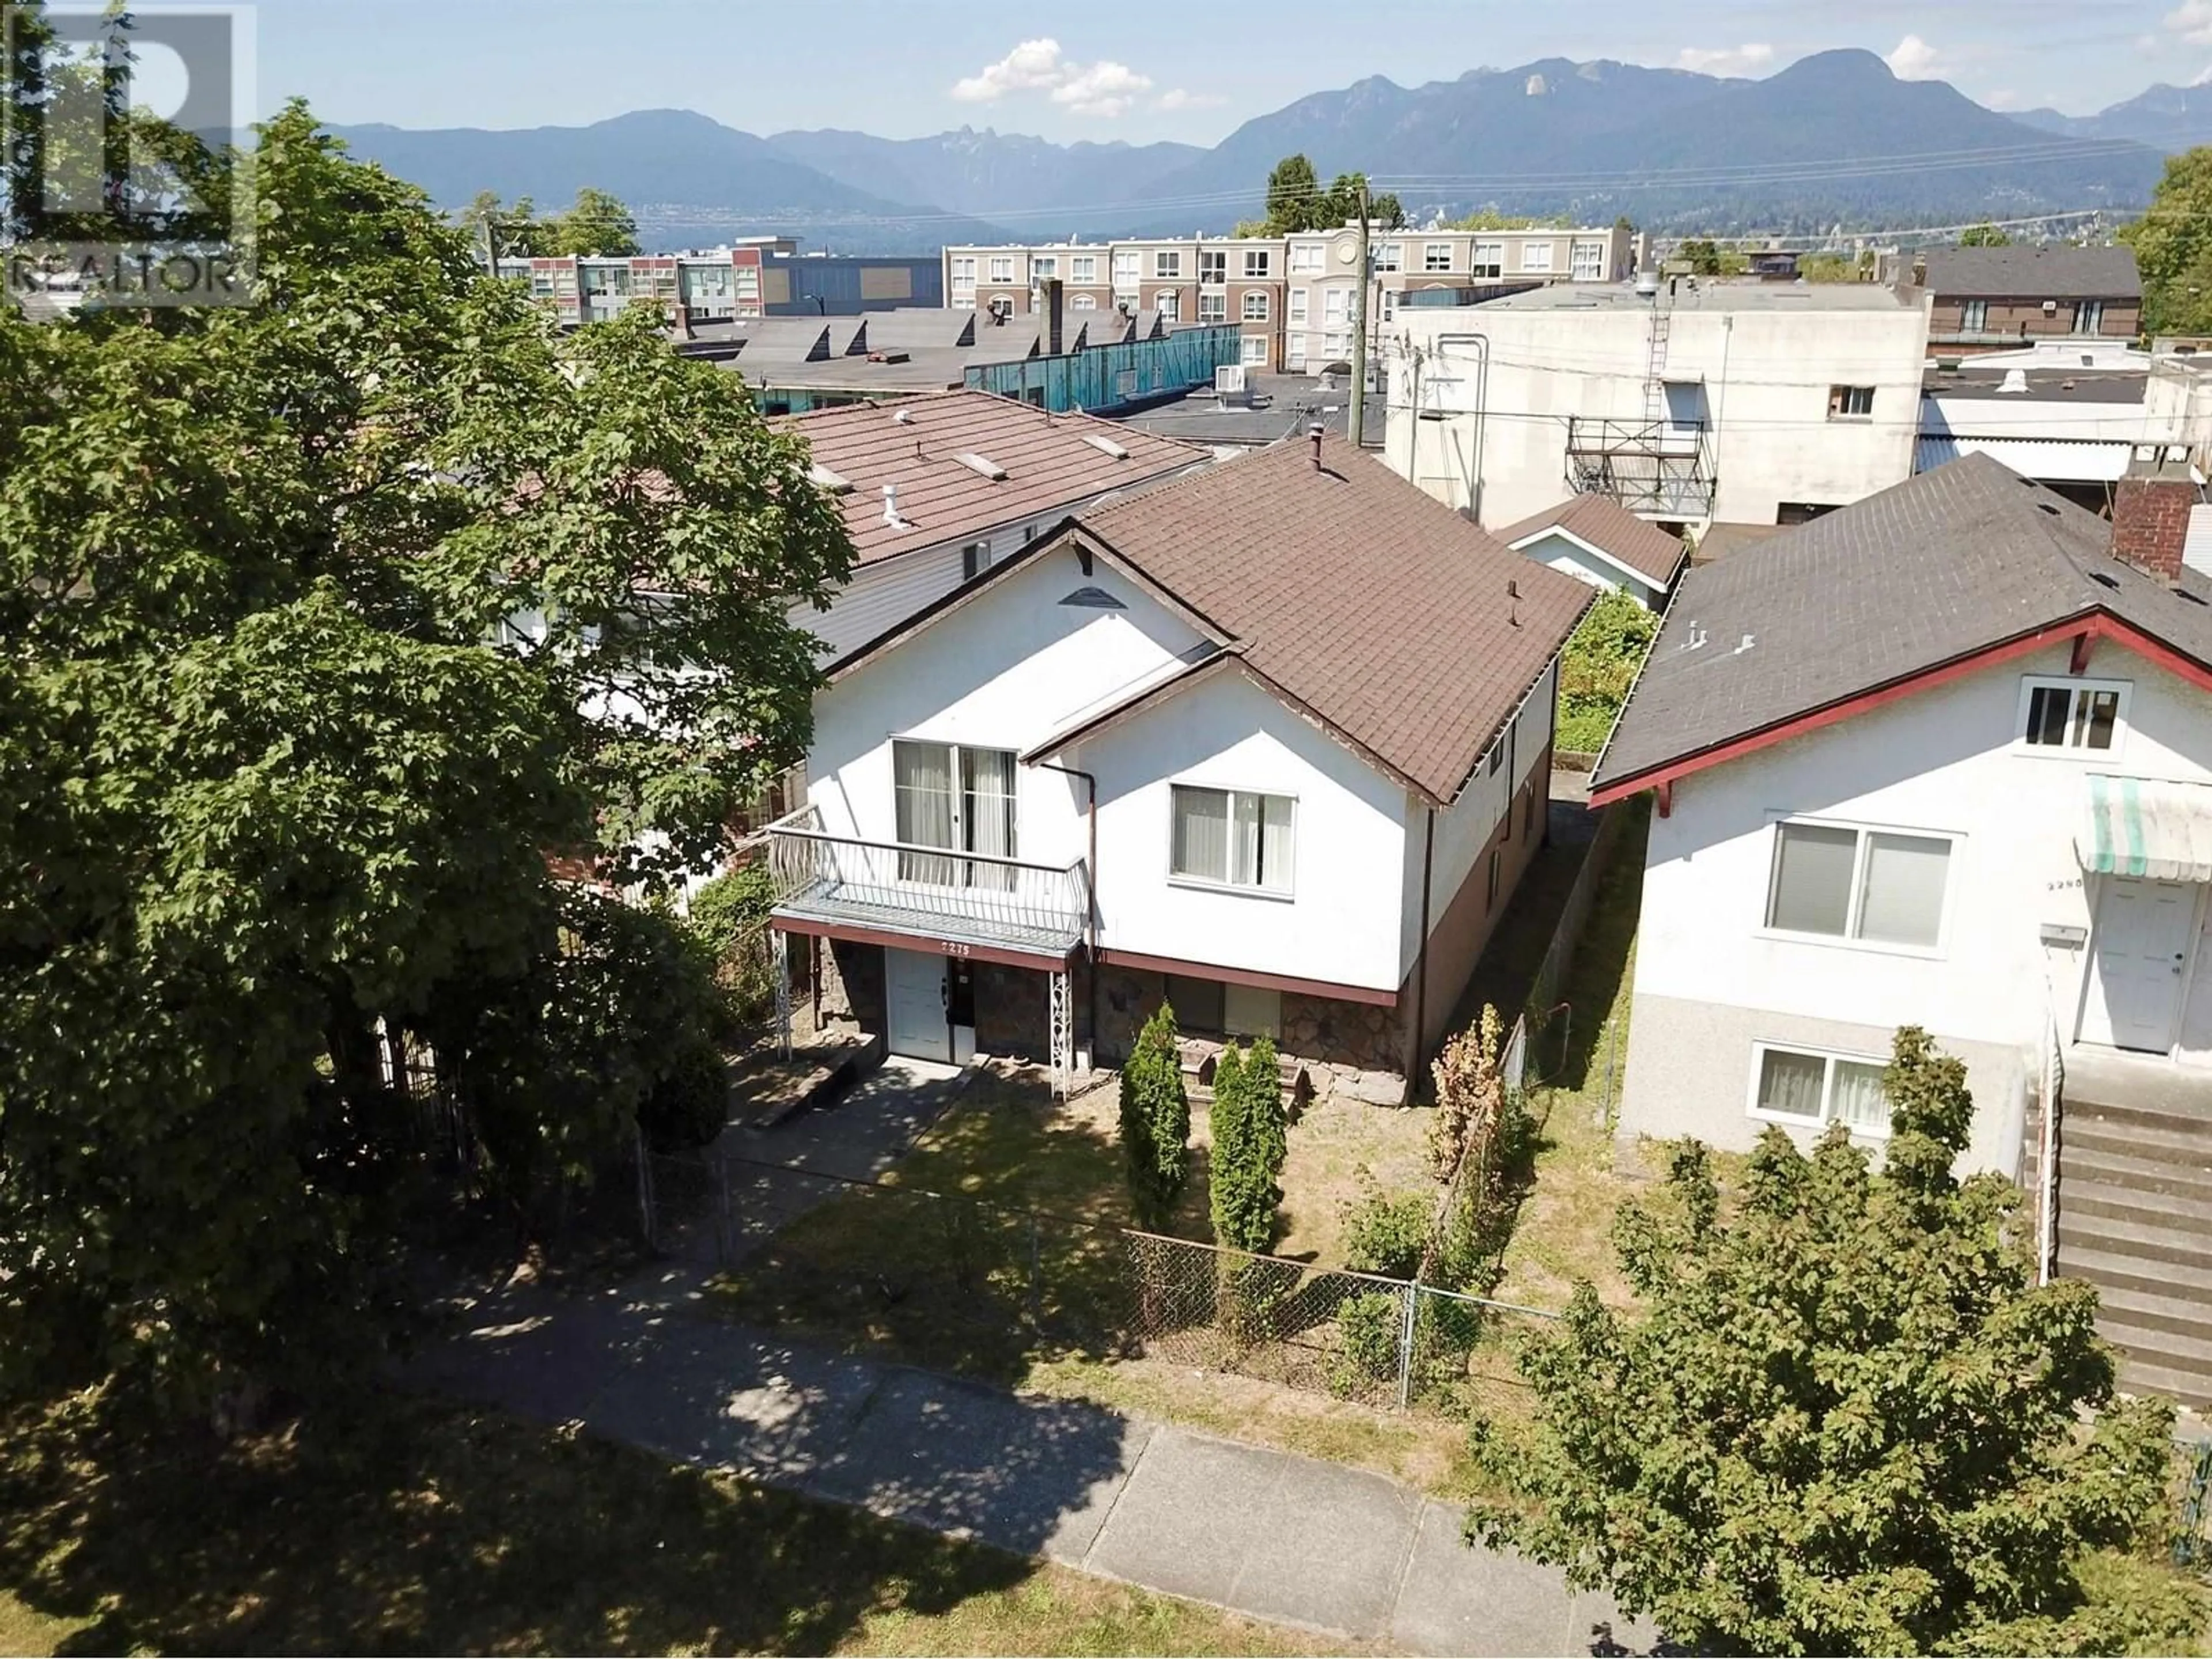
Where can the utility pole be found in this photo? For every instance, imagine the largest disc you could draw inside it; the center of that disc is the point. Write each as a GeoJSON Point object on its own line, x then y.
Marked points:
{"type": "Point", "coordinates": [1358, 432]}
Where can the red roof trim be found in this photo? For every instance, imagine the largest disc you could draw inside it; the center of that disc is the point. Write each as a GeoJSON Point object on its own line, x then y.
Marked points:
{"type": "Point", "coordinates": [2096, 625]}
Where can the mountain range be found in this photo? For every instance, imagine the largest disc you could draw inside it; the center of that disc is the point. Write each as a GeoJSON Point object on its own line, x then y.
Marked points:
{"type": "Point", "coordinates": [1835, 139]}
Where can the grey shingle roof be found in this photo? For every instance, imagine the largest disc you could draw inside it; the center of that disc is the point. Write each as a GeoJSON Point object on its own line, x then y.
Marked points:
{"type": "Point", "coordinates": [2035, 273]}
{"type": "Point", "coordinates": [1945, 565]}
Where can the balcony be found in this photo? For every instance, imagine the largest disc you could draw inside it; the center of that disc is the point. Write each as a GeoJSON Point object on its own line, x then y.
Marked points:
{"type": "Point", "coordinates": [1662, 468]}
{"type": "Point", "coordinates": [960, 902]}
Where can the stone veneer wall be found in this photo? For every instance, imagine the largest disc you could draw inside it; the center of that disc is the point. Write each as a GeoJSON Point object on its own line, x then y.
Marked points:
{"type": "Point", "coordinates": [1013, 1012]}
{"type": "Point", "coordinates": [853, 984]}
{"type": "Point", "coordinates": [1350, 1048]}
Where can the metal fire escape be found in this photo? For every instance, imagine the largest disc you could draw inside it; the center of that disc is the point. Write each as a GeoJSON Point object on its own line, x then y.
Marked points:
{"type": "Point", "coordinates": [1661, 468]}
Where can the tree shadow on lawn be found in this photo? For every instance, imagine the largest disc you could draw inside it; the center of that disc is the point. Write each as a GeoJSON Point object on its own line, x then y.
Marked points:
{"type": "Point", "coordinates": [402, 1526]}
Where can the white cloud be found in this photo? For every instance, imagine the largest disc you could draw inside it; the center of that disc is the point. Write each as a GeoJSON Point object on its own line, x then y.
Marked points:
{"type": "Point", "coordinates": [1029, 67]}
{"type": "Point", "coordinates": [1914, 59]}
{"type": "Point", "coordinates": [1105, 87]}
{"type": "Point", "coordinates": [2202, 78]}
{"type": "Point", "coordinates": [2192, 20]}
{"type": "Point", "coordinates": [1178, 98]}
{"type": "Point", "coordinates": [1746, 59]}
{"type": "Point", "coordinates": [2004, 98]}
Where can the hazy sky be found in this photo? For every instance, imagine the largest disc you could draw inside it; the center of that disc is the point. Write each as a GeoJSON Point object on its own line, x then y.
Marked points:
{"type": "Point", "coordinates": [902, 68]}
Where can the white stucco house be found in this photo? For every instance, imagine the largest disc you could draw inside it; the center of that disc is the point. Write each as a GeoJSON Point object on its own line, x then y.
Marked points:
{"type": "Point", "coordinates": [1944, 758]}
{"type": "Point", "coordinates": [1270, 740]}
{"type": "Point", "coordinates": [1596, 540]}
{"type": "Point", "coordinates": [1745, 401]}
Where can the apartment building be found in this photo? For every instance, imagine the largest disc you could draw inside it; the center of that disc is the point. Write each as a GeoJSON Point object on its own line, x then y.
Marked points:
{"type": "Point", "coordinates": [1998, 298]}
{"type": "Point", "coordinates": [761, 277]}
{"type": "Point", "coordinates": [1293, 298]}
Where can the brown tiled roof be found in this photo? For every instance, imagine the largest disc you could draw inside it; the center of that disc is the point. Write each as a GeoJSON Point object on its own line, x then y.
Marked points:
{"type": "Point", "coordinates": [1373, 605]}
{"type": "Point", "coordinates": [1612, 529]}
{"type": "Point", "coordinates": [1049, 467]}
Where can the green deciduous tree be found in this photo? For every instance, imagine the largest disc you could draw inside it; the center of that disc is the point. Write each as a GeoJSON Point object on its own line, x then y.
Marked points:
{"type": "Point", "coordinates": [278, 782]}
{"type": "Point", "coordinates": [2173, 242]}
{"type": "Point", "coordinates": [1250, 1140]}
{"type": "Point", "coordinates": [596, 223]}
{"type": "Point", "coordinates": [1156, 1122]}
{"type": "Point", "coordinates": [1844, 1418]}
{"type": "Point", "coordinates": [1294, 195]}
{"type": "Point", "coordinates": [1984, 236]}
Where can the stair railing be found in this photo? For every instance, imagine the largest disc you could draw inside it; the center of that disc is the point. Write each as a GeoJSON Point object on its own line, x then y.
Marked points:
{"type": "Point", "coordinates": [2046, 1150]}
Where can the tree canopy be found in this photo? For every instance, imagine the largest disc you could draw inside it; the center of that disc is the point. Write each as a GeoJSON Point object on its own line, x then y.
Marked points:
{"type": "Point", "coordinates": [284, 782]}
{"type": "Point", "coordinates": [2173, 243]}
{"type": "Point", "coordinates": [1984, 236]}
{"type": "Point", "coordinates": [598, 223]}
{"type": "Point", "coordinates": [1297, 202]}
{"type": "Point", "coordinates": [1844, 1418]}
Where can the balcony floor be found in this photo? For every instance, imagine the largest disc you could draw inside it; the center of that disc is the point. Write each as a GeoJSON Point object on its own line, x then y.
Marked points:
{"type": "Point", "coordinates": [826, 906]}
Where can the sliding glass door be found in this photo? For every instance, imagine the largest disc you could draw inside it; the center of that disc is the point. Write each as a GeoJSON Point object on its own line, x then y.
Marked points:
{"type": "Point", "coordinates": [961, 800]}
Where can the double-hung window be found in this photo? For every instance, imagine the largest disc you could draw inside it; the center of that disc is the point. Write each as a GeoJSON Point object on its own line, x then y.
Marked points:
{"type": "Point", "coordinates": [1125, 269]}
{"type": "Point", "coordinates": [1489, 260]}
{"type": "Point", "coordinates": [1212, 306]}
{"type": "Point", "coordinates": [1002, 267]}
{"type": "Point", "coordinates": [1814, 1089]}
{"type": "Point", "coordinates": [959, 799]}
{"type": "Point", "coordinates": [1212, 266]}
{"type": "Point", "coordinates": [1536, 256]}
{"type": "Point", "coordinates": [1436, 256]}
{"type": "Point", "coordinates": [1167, 263]}
{"type": "Point", "coordinates": [963, 271]}
{"type": "Point", "coordinates": [1256, 263]}
{"type": "Point", "coordinates": [1231, 838]}
{"type": "Point", "coordinates": [1335, 305]}
{"type": "Point", "coordinates": [2063, 716]}
{"type": "Point", "coordinates": [1389, 256]}
{"type": "Point", "coordinates": [1083, 268]}
{"type": "Point", "coordinates": [1877, 886]}
{"type": "Point", "coordinates": [1044, 265]}
{"type": "Point", "coordinates": [1255, 305]}
{"type": "Point", "coordinates": [1168, 303]}
{"type": "Point", "coordinates": [1307, 257]}
{"type": "Point", "coordinates": [1298, 303]}
{"type": "Point", "coordinates": [1252, 352]}
{"type": "Point", "coordinates": [1586, 262]}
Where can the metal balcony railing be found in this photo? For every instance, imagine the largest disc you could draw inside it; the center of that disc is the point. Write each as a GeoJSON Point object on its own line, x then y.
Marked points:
{"type": "Point", "coordinates": [973, 898]}
{"type": "Point", "coordinates": [1662, 467]}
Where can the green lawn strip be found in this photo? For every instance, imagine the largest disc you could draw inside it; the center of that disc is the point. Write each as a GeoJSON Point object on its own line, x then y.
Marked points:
{"type": "Point", "coordinates": [397, 1525]}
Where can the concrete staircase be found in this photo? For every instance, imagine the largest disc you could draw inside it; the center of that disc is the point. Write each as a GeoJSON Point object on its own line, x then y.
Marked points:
{"type": "Point", "coordinates": [2135, 1219]}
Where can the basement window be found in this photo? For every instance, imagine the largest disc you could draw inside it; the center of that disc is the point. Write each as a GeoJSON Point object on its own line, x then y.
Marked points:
{"type": "Point", "coordinates": [1811, 1088]}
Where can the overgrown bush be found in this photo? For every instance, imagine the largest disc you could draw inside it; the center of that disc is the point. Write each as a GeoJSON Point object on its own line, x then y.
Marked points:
{"type": "Point", "coordinates": [1602, 658]}
{"type": "Point", "coordinates": [728, 917]}
{"type": "Point", "coordinates": [1470, 1097]}
{"type": "Point", "coordinates": [690, 1103]}
{"type": "Point", "coordinates": [1156, 1122]}
{"type": "Point", "coordinates": [1383, 1234]}
{"type": "Point", "coordinates": [1368, 1325]}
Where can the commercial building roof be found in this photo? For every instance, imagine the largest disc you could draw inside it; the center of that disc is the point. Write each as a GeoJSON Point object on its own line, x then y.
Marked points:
{"type": "Point", "coordinates": [1051, 463]}
{"type": "Point", "coordinates": [1696, 294]}
{"type": "Point", "coordinates": [1272, 407]}
{"type": "Point", "coordinates": [1935, 571]}
{"type": "Point", "coordinates": [1604, 524]}
{"type": "Point", "coordinates": [2033, 273]}
{"type": "Point", "coordinates": [2047, 383]}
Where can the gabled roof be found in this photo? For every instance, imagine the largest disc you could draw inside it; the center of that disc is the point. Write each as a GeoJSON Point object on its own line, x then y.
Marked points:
{"type": "Point", "coordinates": [2035, 273]}
{"type": "Point", "coordinates": [1601, 522]}
{"type": "Point", "coordinates": [915, 443]}
{"type": "Point", "coordinates": [1937, 572]}
{"type": "Point", "coordinates": [1367, 605]}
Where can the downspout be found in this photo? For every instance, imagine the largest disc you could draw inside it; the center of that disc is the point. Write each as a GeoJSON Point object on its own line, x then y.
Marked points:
{"type": "Point", "coordinates": [1421, 962]}
{"type": "Point", "coordinates": [1481, 410]}
{"type": "Point", "coordinates": [1090, 871]}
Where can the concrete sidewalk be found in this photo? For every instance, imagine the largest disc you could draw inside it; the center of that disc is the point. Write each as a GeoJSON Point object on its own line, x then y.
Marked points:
{"type": "Point", "coordinates": [1259, 1532]}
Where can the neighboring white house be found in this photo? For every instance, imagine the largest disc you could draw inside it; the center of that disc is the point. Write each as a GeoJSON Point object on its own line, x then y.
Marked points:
{"type": "Point", "coordinates": [1272, 741]}
{"type": "Point", "coordinates": [936, 488]}
{"type": "Point", "coordinates": [1943, 758]}
{"type": "Point", "coordinates": [1596, 540]}
{"type": "Point", "coordinates": [2066, 414]}
{"type": "Point", "coordinates": [1760, 402]}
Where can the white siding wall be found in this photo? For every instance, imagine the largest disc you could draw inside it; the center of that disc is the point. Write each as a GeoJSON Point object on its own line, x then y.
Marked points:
{"type": "Point", "coordinates": [1564, 554]}
{"type": "Point", "coordinates": [1013, 667]}
{"type": "Point", "coordinates": [882, 596]}
{"type": "Point", "coordinates": [1944, 761]}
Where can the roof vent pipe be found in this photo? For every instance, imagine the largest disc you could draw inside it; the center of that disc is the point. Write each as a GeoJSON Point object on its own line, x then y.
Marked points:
{"type": "Point", "coordinates": [1313, 432]}
{"type": "Point", "coordinates": [890, 508]}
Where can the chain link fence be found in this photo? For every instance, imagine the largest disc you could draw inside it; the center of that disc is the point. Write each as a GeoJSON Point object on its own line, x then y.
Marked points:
{"type": "Point", "coordinates": [955, 1282]}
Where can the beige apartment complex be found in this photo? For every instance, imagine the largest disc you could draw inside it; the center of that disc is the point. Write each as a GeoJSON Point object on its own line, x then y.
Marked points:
{"type": "Point", "coordinates": [1291, 295]}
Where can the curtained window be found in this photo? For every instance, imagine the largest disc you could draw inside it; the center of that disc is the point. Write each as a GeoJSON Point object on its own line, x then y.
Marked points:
{"type": "Point", "coordinates": [961, 800]}
{"type": "Point", "coordinates": [1236, 838]}
{"type": "Point", "coordinates": [1804, 1086]}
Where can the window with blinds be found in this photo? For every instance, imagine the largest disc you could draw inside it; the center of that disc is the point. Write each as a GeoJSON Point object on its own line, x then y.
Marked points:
{"type": "Point", "coordinates": [1232, 838]}
{"type": "Point", "coordinates": [1879, 886]}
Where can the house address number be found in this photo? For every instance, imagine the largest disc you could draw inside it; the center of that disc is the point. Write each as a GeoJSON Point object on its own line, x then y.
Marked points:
{"type": "Point", "coordinates": [953, 947]}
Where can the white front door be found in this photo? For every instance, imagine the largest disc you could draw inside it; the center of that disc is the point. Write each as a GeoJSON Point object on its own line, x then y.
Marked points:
{"type": "Point", "coordinates": [2146, 931]}
{"type": "Point", "coordinates": [914, 1005]}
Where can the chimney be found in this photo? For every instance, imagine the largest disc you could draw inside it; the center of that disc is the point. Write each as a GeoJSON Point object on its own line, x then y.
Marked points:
{"type": "Point", "coordinates": [1051, 302]}
{"type": "Point", "coordinates": [1920, 271]}
{"type": "Point", "coordinates": [1313, 432]}
{"type": "Point", "coordinates": [2150, 514]}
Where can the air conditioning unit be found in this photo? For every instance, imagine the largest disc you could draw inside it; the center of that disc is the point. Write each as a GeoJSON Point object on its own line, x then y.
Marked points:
{"type": "Point", "coordinates": [1229, 381]}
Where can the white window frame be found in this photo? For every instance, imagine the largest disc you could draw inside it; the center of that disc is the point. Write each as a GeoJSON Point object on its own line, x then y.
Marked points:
{"type": "Point", "coordinates": [2031, 683]}
{"type": "Point", "coordinates": [1167, 264]}
{"type": "Point", "coordinates": [1973, 316]}
{"type": "Point", "coordinates": [963, 271]}
{"type": "Point", "coordinates": [962, 852]}
{"type": "Point", "coordinates": [1435, 257]}
{"type": "Point", "coordinates": [1530, 261]}
{"type": "Point", "coordinates": [1252, 352]}
{"type": "Point", "coordinates": [1389, 256]}
{"type": "Point", "coordinates": [1300, 302]}
{"type": "Point", "coordinates": [1255, 305]}
{"type": "Point", "coordinates": [1308, 257]}
{"type": "Point", "coordinates": [1294, 353]}
{"type": "Point", "coordinates": [1760, 1049]}
{"type": "Point", "coordinates": [1336, 347]}
{"type": "Point", "coordinates": [1283, 894]}
{"type": "Point", "coordinates": [1002, 267]}
{"type": "Point", "coordinates": [1487, 261]}
{"type": "Point", "coordinates": [1849, 939]}
{"type": "Point", "coordinates": [1125, 267]}
{"type": "Point", "coordinates": [1044, 264]}
{"type": "Point", "coordinates": [1214, 304]}
{"type": "Point", "coordinates": [1084, 302]}
{"type": "Point", "coordinates": [1212, 266]}
{"type": "Point", "coordinates": [2089, 317]}
{"type": "Point", "coordinates": [1256, 262]}
{"type": "Point", "coordinates": [1335, 306]}
{"type": "Point", "coordinates": [1168, 303]}
{"type": "Point", "coordinates": [1082, 267]}
{"type": "Point", "coordinates": [1586, 261]}
{"type": "Point", "coordinates": [1841, 397]}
